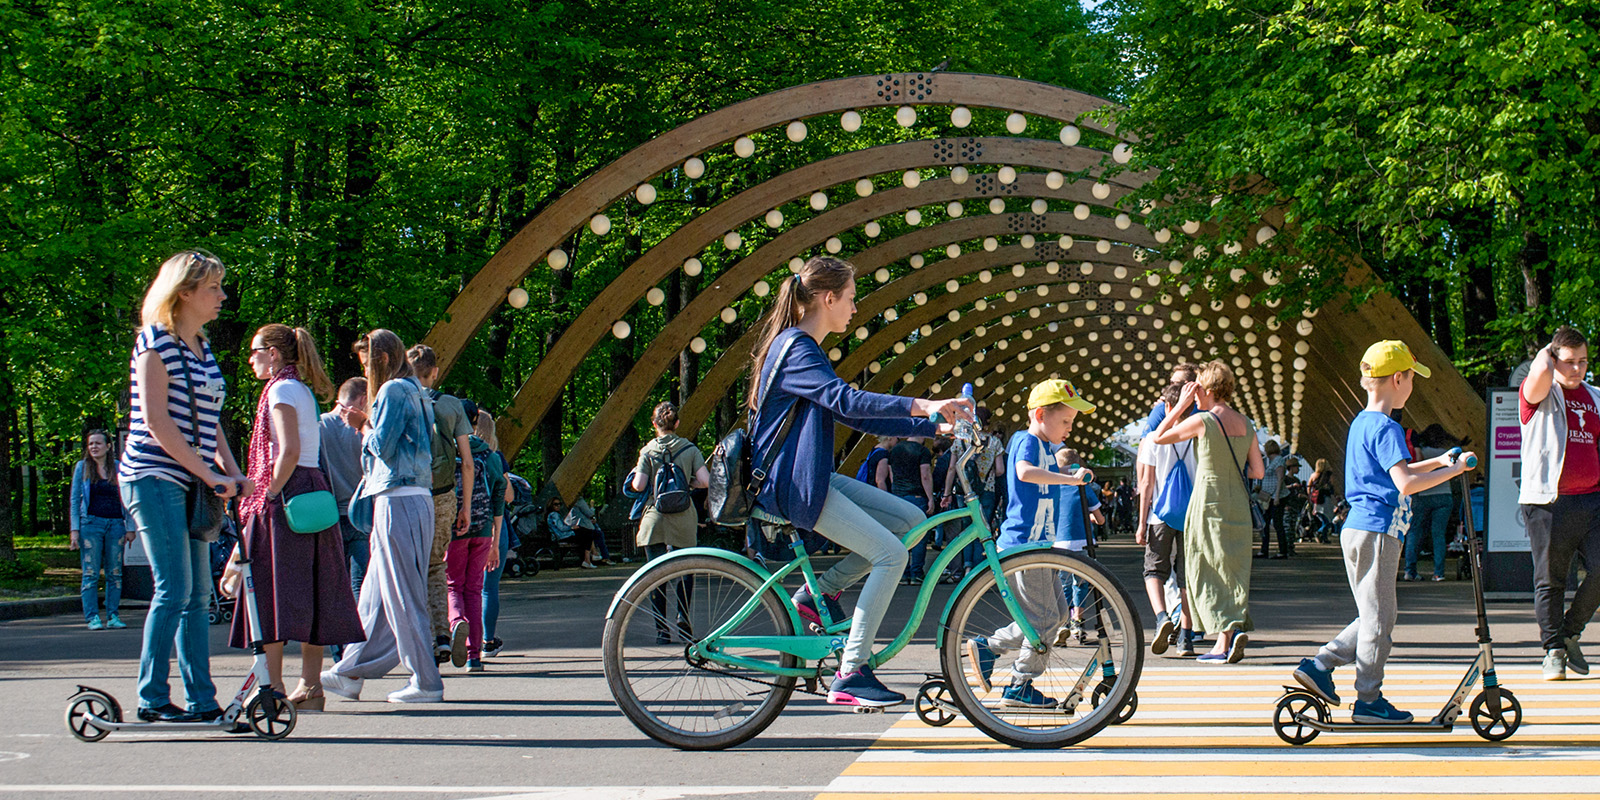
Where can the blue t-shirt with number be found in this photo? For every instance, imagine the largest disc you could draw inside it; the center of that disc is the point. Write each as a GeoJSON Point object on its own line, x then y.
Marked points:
{"type": "Point", "coordinates": [1376, 443]}
{"type": "Point", "coordinates": [1030, 507]}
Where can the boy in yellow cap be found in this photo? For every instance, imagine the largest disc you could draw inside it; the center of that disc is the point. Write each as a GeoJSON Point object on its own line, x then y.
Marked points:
{"type": "Point", "coordinates": [1032, 476]}
{"type": "Point", "coordinates": [1378, 482]}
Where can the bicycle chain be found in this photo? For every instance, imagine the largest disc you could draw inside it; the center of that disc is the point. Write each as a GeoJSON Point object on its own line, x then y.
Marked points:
{"type": "Point", "coordinates": [799, 688]}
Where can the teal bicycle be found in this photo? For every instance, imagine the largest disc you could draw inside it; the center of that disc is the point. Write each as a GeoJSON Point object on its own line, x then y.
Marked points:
{"type": "Point", "coordinates": [721, 668]}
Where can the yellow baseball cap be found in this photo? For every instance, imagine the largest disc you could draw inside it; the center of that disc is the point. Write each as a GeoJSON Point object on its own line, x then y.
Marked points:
{"type": "Point", "coordinates": [1056, 390]}
{"type": "Point", "coordinates": [1388, 357]}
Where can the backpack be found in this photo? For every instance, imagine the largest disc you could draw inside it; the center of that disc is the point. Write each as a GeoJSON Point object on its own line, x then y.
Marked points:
{"type": "Point", "coordinates": [480, 492]}
{"type": "Point", "coordinates": [735, 481]}
{"type": "Point", "coordinates": [669, 486]}
{"type": "Point", "coordinates": [1173, 500]}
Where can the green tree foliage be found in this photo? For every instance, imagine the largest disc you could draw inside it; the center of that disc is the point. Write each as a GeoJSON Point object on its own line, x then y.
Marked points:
{"type": "Point", "coordinates": [1454, 145]}
{"type": "Point", "coordinates": [355, 162]}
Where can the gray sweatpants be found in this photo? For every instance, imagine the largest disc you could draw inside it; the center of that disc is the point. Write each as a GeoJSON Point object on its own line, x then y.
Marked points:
{"type": "Point", "coordinates": [1047, 607]}
{"type": "Point", "coordinates": [868, 522]}
{"type": "Point", "coordinates": [394, 596]}
{"type": "Point", "coordinates": [1370, 562]}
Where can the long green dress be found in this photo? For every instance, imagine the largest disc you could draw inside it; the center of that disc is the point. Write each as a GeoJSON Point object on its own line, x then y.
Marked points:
{"type": "Point", "coordinates": [1217, 539]}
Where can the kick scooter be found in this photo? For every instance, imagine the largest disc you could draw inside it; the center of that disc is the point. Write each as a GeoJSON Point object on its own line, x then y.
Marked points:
{"type": "Point", "coordinates": [92, 713]}
{"type": "Point", "coordinates": [1495, 712]}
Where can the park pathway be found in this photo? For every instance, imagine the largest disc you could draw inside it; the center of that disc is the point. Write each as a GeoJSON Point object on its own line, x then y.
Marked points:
{"type": "Point", "coordinates": [1208, 730]}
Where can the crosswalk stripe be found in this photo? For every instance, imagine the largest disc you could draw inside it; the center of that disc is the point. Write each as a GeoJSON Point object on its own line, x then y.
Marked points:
{"type": "Point", "coordinates": [1207, 730]}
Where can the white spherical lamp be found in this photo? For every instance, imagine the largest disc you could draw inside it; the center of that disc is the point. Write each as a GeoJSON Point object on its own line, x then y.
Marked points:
{"type": "Point", "coordinates": [517, 297]}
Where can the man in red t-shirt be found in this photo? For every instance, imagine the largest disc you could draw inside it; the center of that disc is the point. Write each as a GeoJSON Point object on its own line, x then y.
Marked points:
{"type": "Point", "coordinates": [1561, 441]}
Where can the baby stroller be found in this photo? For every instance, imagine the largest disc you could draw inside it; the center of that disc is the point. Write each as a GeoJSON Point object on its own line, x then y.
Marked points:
{"type": "Point", "coordinates": [221, 609]}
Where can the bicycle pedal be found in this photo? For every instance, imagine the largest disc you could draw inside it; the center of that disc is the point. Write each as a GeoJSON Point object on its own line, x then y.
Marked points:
{"type": "Point", "coordinates": [867, 709]}
{"type": "Point", "coordinates": [816, 630]}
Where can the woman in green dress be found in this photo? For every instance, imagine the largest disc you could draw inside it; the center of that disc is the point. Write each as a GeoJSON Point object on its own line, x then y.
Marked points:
{"type": "Point", "coordinates": [1216, 531]}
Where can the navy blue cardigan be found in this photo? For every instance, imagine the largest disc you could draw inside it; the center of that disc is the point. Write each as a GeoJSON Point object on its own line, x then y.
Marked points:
{"type": "Point", "coordinates": [798, 485]}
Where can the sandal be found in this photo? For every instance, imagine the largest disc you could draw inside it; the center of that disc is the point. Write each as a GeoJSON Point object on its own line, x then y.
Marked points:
{"type": "Point", "coordinates": [308, 697]}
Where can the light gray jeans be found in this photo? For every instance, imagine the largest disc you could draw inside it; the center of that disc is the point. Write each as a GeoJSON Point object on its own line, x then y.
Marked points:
{"type": "Point", "coordinates": [868, 522]}
{"type": "Point", "coordinates": [394, 596]}
{"type": "Point", "coordinates": [1370, 562]}
{"type": "Point", "coordinates": [1040, 595]}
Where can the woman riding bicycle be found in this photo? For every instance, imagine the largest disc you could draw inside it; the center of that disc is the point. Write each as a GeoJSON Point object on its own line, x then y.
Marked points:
{"type": "Point", "coordinates": [805, 491]}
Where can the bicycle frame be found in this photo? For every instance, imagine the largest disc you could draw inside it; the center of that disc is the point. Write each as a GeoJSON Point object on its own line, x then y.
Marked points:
{"type": "Point", "coordinates": [818, 646]}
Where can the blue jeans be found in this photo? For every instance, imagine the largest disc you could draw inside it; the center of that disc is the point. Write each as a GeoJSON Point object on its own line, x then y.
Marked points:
{"type": "Point", "coordinates": [919, 553]}
{"type": "Point", "coordinates": [358, 549]}
{"type": "Point", "coordinates": [973, 553]}
{"type": "Point", "coordinates": [491, 585]}
{"type": "Point", "coordinates": [1430, 515]}
{"type": "Point", "coordinates": [180, 569]}
{"type": "Point", "coordinates": [100, 547]}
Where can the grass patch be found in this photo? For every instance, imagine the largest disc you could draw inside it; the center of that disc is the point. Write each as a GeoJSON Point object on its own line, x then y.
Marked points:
{"type": "Point", "coordinates": [45, 567]}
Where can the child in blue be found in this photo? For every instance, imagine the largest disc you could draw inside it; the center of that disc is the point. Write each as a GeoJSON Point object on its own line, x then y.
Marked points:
{"type": "Point", "coordinates": [1032, 481]}
{"type": "Point", "coordinates": [1378, 481]}
{"type": "Point", "coordinates": [1076, 507]}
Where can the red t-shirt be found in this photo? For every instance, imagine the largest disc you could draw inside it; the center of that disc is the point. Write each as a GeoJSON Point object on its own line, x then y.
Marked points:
{"type": "Point", "coordinates": [1580, 467]}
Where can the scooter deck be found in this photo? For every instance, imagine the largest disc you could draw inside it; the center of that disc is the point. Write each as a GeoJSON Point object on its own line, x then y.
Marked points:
{"type": "Point", "coordinates": [108, 725]}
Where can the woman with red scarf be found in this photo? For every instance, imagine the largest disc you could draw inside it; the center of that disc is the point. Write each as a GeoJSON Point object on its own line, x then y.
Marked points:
{"type": "Point", "coordinates": [302, 580]}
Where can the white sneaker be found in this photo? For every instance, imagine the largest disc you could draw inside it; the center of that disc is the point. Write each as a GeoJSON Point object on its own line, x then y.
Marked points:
{"type": "Point", "coordinates": [349, 688]}
{"type": "Point", "coordinates": [412, 694]}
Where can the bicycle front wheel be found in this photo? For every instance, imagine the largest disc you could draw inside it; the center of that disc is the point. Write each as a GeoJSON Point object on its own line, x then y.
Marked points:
{"type": "Point", "coordinates": [1043, 698]}
{"type": "Point", "coordinates": [704, 706]}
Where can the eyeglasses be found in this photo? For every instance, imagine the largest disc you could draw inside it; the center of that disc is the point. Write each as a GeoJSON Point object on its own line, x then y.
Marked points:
{"type": "Point", "coordinates": [259, 349]}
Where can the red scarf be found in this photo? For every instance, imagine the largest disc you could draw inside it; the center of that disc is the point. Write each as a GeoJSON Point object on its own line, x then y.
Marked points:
{"type": "Point", "coordinates": [263, 447]}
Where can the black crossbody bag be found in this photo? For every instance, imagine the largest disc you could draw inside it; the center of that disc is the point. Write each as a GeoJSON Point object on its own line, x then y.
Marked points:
{"type": "Point", "coordinates": [735, 481]}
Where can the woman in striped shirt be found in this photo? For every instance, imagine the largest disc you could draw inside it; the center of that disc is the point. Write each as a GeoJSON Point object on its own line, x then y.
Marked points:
{"type": "Point", "coordinates": [175, 439]}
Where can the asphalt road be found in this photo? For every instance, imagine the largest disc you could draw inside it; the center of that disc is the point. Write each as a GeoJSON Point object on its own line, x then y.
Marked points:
{"type": "Point", "coordinates": [541, 723]}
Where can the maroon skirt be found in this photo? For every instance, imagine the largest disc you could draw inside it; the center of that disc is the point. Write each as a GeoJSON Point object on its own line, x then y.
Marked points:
{"type": "Point", "coordinates": [302, 580]}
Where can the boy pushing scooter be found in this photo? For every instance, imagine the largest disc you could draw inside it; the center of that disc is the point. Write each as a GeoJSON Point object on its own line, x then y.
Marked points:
{"type": "Point", "coordinates": [1378, 483]}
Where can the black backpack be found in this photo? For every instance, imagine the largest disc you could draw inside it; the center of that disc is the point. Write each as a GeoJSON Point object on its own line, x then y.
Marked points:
{"type": "Point", "coordinates": [735, 481]}
{"type": "Point", "coordinates": [670, 486]}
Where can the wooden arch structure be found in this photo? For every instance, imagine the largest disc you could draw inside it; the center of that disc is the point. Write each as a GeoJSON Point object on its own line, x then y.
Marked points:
{"type": "Point", "coordinates": [1036, 271]}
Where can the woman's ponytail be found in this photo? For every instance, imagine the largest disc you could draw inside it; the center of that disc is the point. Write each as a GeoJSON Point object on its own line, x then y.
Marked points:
{"type": "Point", "coordinates": [820, 275]}
{"type": "Point", "coordinates": [310, 364]}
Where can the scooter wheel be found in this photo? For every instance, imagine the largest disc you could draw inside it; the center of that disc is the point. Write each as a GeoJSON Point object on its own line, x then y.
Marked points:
{"type": "Point", "coordinates": [1128, 707]}
{"type": "Point", "coordinates": [1292, 706]}
{"type": "Point", "coordinates": [1496, 727]}
{"type": "Point", "coordinates": [270, 717]}
{"type": "Point", "coordinates": [934, 704]}
{"type": "Point", "coordinates": [81, 706]}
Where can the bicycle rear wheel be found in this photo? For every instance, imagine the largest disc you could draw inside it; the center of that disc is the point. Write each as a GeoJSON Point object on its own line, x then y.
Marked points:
{"type": "Point", "coordinates": [691, 706]}
{"type": "Point", "coordinates": [1061, 713]}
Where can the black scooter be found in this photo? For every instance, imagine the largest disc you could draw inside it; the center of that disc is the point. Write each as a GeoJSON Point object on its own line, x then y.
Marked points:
{"type": "Point", "coordinates": [1495, 712]}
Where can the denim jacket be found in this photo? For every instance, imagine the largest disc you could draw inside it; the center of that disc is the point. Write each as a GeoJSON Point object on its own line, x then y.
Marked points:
{"type": "Point", "coordinates": [397, 452]}
{"type": "Point", "coordinates": [79, 505]}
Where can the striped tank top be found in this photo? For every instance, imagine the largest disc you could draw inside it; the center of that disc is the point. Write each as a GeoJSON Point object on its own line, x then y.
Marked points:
{"type": "Point", "coordinates": [143, 456]}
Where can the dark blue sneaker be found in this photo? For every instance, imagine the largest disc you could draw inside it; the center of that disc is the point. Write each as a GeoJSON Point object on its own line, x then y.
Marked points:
{"type": "Point", "coordinates": [1316, 680]}
{"type": "Point", "coordinates": [1378, 712]}
{"type": "Point", "coordinates": [980, 662]}
{"type": "Point", "coordinates": [807, 606]}
{"type": "Point", "coordinates": [862, 688]}
{"type": "Point", "coordinates": [1023, 695]}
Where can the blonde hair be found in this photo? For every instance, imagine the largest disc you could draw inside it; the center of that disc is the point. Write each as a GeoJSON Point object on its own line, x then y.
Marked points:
{"type": "Point", "coordinates": [484, 427]}
{"type": "Point", "coordinates": [181, 273]}
{"type": "Point", "coordinates": [1215, 377]}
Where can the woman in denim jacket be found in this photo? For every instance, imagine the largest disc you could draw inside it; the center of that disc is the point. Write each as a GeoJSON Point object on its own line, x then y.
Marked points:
{"type": "Point", "coordinates": [395, 499]}
{"type": "Point", "coordinates": [100, 525]}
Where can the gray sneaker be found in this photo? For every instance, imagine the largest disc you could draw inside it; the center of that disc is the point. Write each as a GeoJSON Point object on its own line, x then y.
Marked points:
{"type": "Point", "coordinates": [1164, 628]}
{"type": "Point", "coordinates": [1575, 660]}
{"type": "Point", "coordinates": [1555, 665]}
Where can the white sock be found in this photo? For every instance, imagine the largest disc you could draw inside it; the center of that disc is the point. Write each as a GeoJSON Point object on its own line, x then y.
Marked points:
{"type": "Point", "coordinates": [1321, 664]}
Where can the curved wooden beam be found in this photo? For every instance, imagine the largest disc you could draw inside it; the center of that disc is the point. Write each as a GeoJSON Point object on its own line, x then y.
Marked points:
{"type": "Point", "coordinates": [488, 288]}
